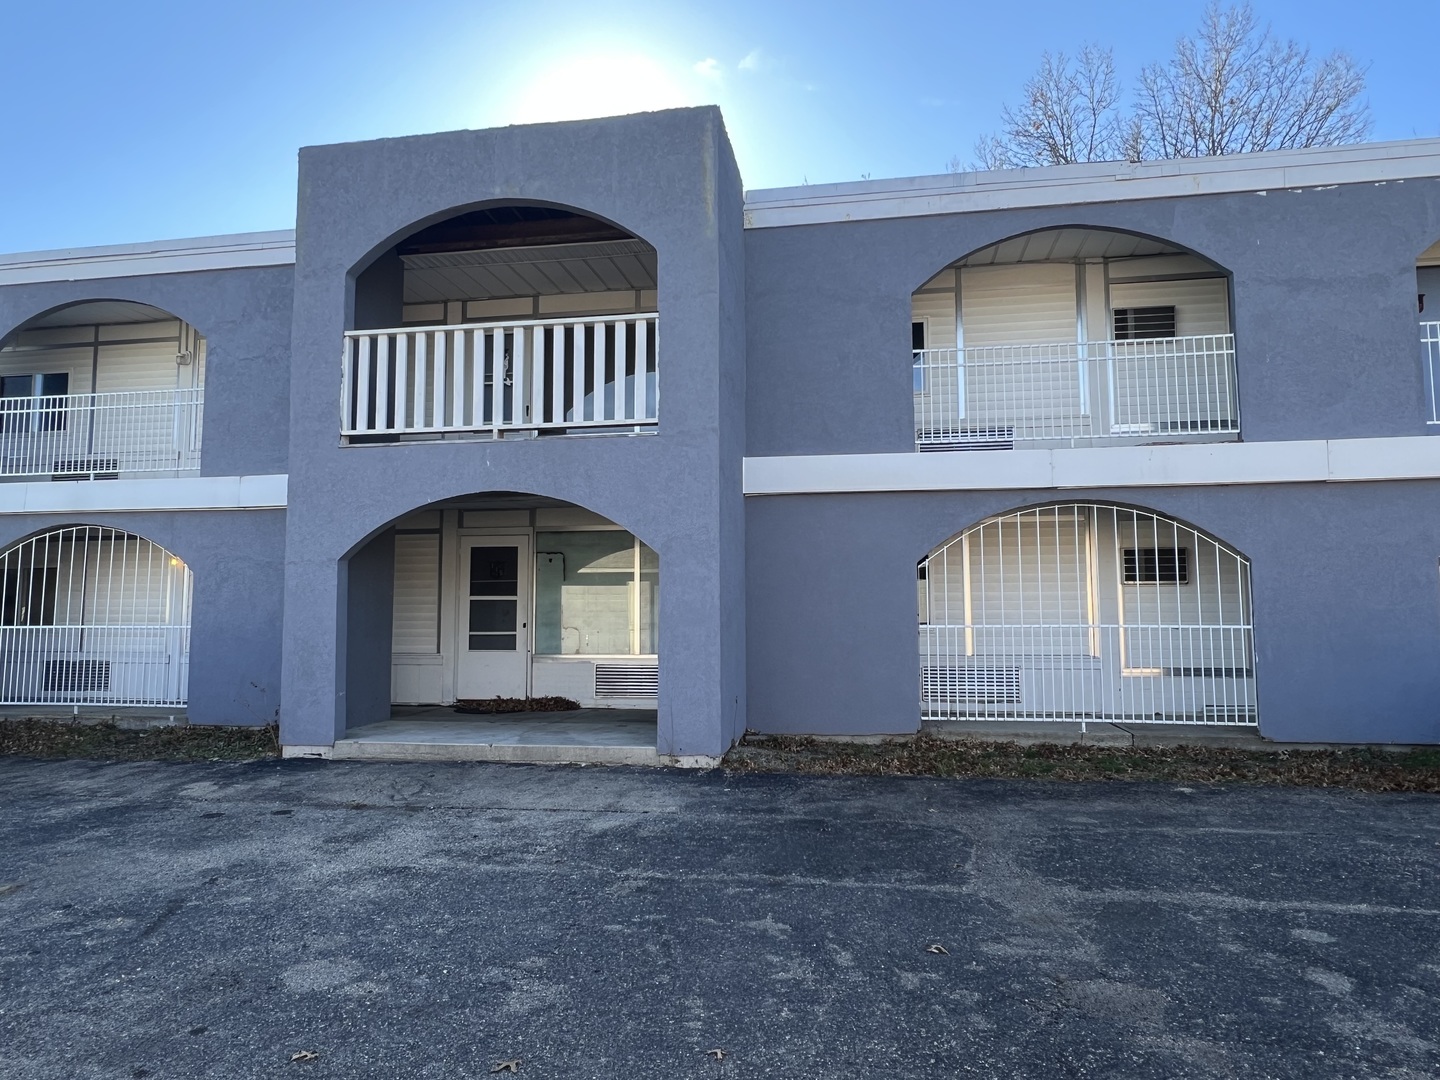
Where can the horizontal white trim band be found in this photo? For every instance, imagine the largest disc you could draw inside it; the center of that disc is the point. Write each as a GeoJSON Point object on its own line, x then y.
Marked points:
{"type": "Point", "coordinates": [170, 493]}
{"type": "Point", "coordinates": [1310, 461]}
{"type": "Point", "coordinates": [159, 257]}
{"type": "Point", "coordinates": [1074, 185]}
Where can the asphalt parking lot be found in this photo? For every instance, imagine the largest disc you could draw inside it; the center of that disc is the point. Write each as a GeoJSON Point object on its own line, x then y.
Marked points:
{"type": "Point", "coordinates": [358, 920]}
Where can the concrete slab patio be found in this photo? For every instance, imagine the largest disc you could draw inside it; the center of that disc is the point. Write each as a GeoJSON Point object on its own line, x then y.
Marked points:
{"type": "Point", "coordinates": [439, 733]}
{"type": "Point", "coordinates": [430, 921]}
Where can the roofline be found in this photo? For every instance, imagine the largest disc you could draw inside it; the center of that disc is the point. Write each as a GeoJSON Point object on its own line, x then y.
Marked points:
{"type": "Point", "coordinates": [1072, 185]}
{"type": "Point", "coordinates": [866, 200]}
{"type": "Point", "coordinates": [155, 257]}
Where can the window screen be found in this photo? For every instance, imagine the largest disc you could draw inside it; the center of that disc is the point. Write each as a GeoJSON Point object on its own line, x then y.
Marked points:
{"type": "Point", "coordinates": [1133, 324]}
{"type": "Point", "coordinates": [1157, 566]}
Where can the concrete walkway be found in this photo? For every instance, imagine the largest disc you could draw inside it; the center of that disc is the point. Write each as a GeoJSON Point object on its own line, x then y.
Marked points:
{"type": "Point", "coordinates": [439, 733]}
{"type": "Point", "coordinates": [430, 921]}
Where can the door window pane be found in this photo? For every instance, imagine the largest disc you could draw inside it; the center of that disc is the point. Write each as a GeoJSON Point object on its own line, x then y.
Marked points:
{"type": "Point", "coordinates": [492, 616]}
{"type": "Point", "coordinates": [494, 571]}
{"type": "Point", "coordinates": [492, 642]}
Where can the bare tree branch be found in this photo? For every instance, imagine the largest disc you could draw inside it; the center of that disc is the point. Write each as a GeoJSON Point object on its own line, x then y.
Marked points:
{"type": "Point", "coordinates": [1230, 88]}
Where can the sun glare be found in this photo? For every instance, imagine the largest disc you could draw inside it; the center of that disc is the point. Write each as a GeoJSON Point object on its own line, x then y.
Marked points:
{"type": "Point", "coordinates": [583, 86]}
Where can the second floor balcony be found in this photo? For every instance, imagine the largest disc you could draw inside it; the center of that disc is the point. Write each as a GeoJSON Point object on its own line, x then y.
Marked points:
{"type": "Point", "coordinates": [509, 321]}
{"type": "Point", "coordinates": [1074, 337]}
{"type": "Point", "coordinates": [523, 377]}
{"type": "Point", "coordinates": [101, 390]}
{"type": "Point", "coordinates": [999, 396]}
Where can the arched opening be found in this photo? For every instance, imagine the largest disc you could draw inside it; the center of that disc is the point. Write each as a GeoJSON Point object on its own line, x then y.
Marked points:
{"type": "Point", "coordinates": [1073, 337]}
{"type": "Point", "coordinates": [101, 389]}
{"type": "Point", "coordinates": [505, 320]}
{"type": "Point", "coordinates": [91, 615]}
{"type": "Point", "coordinates": [517, 597]}
{"type": "Point", "coordinates": [1085, 611]}
{"type": "Point", "coordinates": [1427, 289]}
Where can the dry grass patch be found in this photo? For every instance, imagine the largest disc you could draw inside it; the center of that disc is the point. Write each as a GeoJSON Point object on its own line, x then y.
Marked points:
{"type": "Point", "coordinates": [107, 741]}
{"type": "Point", "coordinates": [1360, 769]}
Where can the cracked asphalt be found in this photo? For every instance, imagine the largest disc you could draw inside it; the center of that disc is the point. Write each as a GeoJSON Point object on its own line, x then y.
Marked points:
{"type": "Point", "coordinates": [417, 921]}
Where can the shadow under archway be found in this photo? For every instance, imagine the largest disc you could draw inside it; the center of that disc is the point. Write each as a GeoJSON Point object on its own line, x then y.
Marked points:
{"type": "Point", "coordinates": [535, 618]}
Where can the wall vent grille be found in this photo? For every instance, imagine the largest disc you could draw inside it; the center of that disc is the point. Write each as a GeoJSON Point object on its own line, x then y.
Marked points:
{"type": "Point", "coordinates": [990, 686]}
{"type": "Point", "coordinates": [626, 680]}
{"type": "Point", "coordinates": [77, 676]}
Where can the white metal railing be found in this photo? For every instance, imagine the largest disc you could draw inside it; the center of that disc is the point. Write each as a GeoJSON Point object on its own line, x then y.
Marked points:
{"type": "Point", "coordinates": [997, 396]}
{"type": "Point", "coordinates": [109, 665]}
{"type": "Point", "coordinates": [1152, 674]}
{"type": "Point", "coordinates": [1430, 344]}
{"type": "Point", "coordinates": [540, 374]}
{"type": "Point", "coordinates": [78, 435]}
{"type": "Point", "coordinates": [90, 614]}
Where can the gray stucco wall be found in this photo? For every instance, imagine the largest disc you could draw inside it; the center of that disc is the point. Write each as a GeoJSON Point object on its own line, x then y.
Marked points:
{"type": "Point", "coordinates": [1346, 602]}
{"type": "Point", "coordinates": [237, 558]}
{"type": "Point", "coordinates": [1324, 310]}
{"type": "Point", "coordinates": [668, 178]}
{"type": "Point", "coordinates": [367, 597]}
{"type": "Point", "coordinates": [244, 316]}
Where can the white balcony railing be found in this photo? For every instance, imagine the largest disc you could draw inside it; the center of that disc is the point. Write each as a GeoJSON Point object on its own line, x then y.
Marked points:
{"type": "Point", "coordinates": [111, 665]}
{"type": "Point", "coordinates": [532, 375]}
{"type": "Point", "coordinates": [998, 396]}
{"type": "Point", "coordinates": [1430, 345]}
{"type": "Point", "coordinates": [84, 435]}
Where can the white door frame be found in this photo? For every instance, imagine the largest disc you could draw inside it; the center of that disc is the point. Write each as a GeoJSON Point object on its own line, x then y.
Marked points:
{"type": "Point", "coordinates": [523, 539]}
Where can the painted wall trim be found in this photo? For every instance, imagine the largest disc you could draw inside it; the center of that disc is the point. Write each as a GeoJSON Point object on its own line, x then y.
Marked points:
{"type": "Point", "coordinates": [1332, 460]}
{"type": "Point", "coordinates": [1274, 171]}
{"type": "Point", "coordinates": [171, 493]}
{"type": "Point", "coordinates": [156, 257]}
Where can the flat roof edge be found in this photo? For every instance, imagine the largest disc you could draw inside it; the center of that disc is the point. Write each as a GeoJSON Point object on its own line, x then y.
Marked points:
{"type": "Point", "coordinates": [276, 248]}
{"type": "Point", "coordinates": [1064, 185]}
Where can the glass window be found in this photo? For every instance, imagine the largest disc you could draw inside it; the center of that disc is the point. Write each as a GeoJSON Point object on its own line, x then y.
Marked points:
{"type": "Point", "coordinates": [596, 594]}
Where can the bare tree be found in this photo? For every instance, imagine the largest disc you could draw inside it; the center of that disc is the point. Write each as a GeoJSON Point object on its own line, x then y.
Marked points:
{"type": "Point", "coordinates": [1070, 112]}
{"type": "Point", "coordinates": [1231, 88]}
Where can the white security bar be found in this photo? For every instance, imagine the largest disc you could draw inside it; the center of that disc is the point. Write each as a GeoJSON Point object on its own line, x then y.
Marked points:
{"type": "Point", "coordinates": [1086, 612]}
{"type": "Point", "coordinates": [997, 396]}
{"type": "Point", "coordinates": [543, 374]}
{"type": "Point", "coordinates": [86, 435]}
{"type": "Point", "coordinates": [1430, 344]}
{"type": "Point", "coordinates": [93, 616]}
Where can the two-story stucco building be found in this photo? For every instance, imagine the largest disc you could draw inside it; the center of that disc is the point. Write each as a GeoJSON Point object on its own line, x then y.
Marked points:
{"type": "Point", "coordinates": [1124, 443]}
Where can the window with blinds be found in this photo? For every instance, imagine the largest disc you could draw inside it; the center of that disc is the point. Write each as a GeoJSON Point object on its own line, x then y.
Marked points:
{"type": "Point", "coordinates": [1137, 323]}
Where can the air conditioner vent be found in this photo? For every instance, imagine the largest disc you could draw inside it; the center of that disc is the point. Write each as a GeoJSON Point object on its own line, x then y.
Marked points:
{"type": "Point", "coordinates": [77, 676]}
{"type": "Point", "coordinates": [626, 680]}
{"type": "Point", "coordinates": [983, 438]}
{"type": "Point", "coordinates": [989, 686]}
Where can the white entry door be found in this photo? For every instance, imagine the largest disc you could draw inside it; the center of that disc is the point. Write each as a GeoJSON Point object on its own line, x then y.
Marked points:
{"type": "Point", "coordinates": [493, 637]}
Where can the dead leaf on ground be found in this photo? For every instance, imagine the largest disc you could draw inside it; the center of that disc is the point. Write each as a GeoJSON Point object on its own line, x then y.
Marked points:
{"type": "Point", "coordinates": [717, 1054]}
{"type": "Point", "coordinates": [513, 1065]}
{"type": "Point", "coordinates": [941, 949]}
{"type": "Point", "coordinates": [304, 1055]}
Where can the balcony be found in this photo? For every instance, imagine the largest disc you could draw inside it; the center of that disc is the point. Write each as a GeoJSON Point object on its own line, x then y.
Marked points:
{"type": "Point", "coordinates": [501, 379]}
{"type": "Point", "coordinates": [1068, 393]}
{"type": "Point", "coordinates": [101, 436]}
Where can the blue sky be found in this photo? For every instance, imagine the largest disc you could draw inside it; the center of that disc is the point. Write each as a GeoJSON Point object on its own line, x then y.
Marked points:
{"type": "Point", "coordinates": [166, 119]}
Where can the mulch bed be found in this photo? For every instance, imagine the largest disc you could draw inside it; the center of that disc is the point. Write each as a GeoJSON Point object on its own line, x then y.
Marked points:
{"type": "Point", "coordinates": [1359, 769]}
{"type": "Point", "coordinates": [106, 741]}
{"type": "Point", "coordinates": [515, 704]}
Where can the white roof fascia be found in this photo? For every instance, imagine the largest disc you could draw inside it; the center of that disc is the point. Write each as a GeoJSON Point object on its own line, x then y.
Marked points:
{"type": "Point", "coordinates": [1069, 185]}
{"type": "Point", "coordinates": [157, 257]}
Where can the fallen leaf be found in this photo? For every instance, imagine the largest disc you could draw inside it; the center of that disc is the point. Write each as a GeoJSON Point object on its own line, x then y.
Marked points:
{"type": "Point", "coordinates": [717, 1054]}
{"type": "Point", "coordinates": [304, 1055]}
{"type": "Point", "coordinates": [939, 949]}
{"type": "Point", "coordinates": [513, 1065]}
